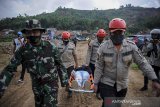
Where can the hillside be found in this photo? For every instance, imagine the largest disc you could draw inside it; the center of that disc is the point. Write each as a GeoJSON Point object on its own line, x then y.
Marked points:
{"type": "Point", "coordinates": [137, 18]}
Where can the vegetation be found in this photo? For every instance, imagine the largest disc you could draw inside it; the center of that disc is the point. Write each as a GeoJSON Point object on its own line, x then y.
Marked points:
{"type": "Point", "coordinates": [134, 66]}
{"type": "Point", "coordinates": [137, 18]}
{"type": "Point", "coordinates": [7, 38]}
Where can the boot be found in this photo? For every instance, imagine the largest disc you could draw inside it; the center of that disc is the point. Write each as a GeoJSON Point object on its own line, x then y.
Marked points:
{"type": "Point", "coordinates": [98, 96]}
{"type": "Point", "coordinates": [144, 88]}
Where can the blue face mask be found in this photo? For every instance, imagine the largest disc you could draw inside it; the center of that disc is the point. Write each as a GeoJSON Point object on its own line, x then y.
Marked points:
{"type": "Point", "coordinates": [117, 39]}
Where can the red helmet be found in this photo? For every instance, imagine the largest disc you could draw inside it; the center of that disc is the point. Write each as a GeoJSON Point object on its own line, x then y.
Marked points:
{"type": "Point", "coordinates": [101, 33]}
{"type": "Point", "coordinates": [117, 24]}
{"type": "Point", "coordinates": [66, 35]}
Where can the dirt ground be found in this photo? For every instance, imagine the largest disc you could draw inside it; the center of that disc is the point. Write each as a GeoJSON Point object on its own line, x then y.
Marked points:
{"type": "Point", "coordinates": [22, 95]}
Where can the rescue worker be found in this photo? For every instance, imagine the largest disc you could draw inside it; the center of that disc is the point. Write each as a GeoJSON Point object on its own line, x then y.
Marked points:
{"type": "Point", "coordinates": [68, 54]}
{"type": "Point", "coordinates": [112, 65]}
{"type": "Point", "coordinates": [92, 52]}
{"type": "Point", "coordinates": [153, 52]}
{"type": "Point", "coordinates": [17, 43]}
{"type": "Point", "coordinates": [41, 58]}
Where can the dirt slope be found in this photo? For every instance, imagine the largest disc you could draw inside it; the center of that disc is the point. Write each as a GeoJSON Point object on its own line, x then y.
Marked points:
{"type": "Point", "coordinates": [22, 95]}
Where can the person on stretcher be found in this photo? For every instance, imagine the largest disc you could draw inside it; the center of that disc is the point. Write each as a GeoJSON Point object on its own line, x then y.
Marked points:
{"type": "Point", "coordinates": [81, 78]}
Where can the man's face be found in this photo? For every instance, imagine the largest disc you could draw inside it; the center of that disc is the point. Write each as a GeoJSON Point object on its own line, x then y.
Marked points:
{"type": "Point", "coordinates": [100, 39]}
{"type": "Point", "coordinates": [117, 37]}
{"type": "Point", "coordinates": [65, 39]}
{"type": "Point", "coordinates": [20, 37]}
{"type": "Point", "coordinates": [35, 32]}
{"type": "Point", "coordinates": [34, 36]}
{"type": "Point", "coordinates": [156, 38]}
{"type": "Point", "coordinates": [117, 33]}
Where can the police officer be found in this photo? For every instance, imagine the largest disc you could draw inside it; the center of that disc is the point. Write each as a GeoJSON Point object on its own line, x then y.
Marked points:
{"type": "Point", "coordinates": [153, 52]}
{"type": "Point", "coordinates": [40, 57]}
{"type": "Point", "coordinates": [92, 52]}
{"type": "Point", "coordinates": [68, 54]}
{"type": "Point", "coordinates": [112, 66]}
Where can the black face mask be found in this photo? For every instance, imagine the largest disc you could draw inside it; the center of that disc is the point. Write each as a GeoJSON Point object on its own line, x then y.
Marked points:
{"type": "Point", "coordinates": [117, 39]}
{"type": "Point", "coordinates": [66, 42]}
{"type": "Point", "coordinates": [155, 50]}
{"type": "Point", "coordinates": [34, 39]}
{"type": "Point", "coordinates": [100, 40]}
{"type": "Point", "coordinates": [155, 36]}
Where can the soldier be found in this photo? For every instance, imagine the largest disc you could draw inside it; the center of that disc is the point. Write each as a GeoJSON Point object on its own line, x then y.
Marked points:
{"type": "Point", "coordinates": [112, 66]}
{"type": "Point", "coordinates": [68, 54]}
{"type": "Point", "coordinates": [40, 58]}
{"type": "Point", "coordinates": [153, 52]}
{"type": "Point", "coordinates": [92, 52]}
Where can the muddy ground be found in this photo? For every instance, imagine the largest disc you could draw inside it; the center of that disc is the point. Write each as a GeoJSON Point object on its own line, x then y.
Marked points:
{"type": "Point", "coordinates": [22, 95]}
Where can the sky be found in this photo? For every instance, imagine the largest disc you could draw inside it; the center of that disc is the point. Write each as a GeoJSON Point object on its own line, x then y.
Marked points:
{"type": "Point", "coordinates": [12, 8]}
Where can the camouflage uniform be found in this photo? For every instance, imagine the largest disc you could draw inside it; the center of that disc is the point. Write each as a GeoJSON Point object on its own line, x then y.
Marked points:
{"type": "Point", "coordinates": [40, 61]}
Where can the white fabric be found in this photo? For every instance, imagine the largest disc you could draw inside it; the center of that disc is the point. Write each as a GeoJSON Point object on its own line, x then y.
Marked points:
{"type": "Point", "coordinates": [81, 77]}
{"type": "Point", "coordinates": [18, 43]}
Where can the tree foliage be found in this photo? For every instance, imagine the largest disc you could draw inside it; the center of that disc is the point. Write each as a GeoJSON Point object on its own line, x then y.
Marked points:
{"type": "Point", "coordinates": [137, 18]}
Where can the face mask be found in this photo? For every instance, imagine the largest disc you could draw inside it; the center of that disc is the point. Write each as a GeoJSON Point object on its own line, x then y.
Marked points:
{"type": "Point", "coordinates": [155, 36]}
{"type": "Point", "coordinates": [117, 39]}
{"type": "Point", "coordinates": [66, 42]}
{"type": "Point", "coordinates": [100, 40]}
{"type": "Point", "coordinates": [34, 39]}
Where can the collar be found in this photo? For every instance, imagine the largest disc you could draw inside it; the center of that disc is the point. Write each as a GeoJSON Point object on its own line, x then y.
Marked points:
{"type": "Point", "coordinates": [96, 40]}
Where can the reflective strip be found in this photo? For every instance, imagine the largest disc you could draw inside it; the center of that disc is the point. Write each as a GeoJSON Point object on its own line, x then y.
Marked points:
{"type": "Point", "coordinates": [92, 60]}
{"type": "Point", "coordinates": [96, 46]}
{"type": "Point", "coordinates": [81, 90]}
{"type": "Point", "coordinates": [108, 54]}
{"type": "Point", "coordinates": [127, 53]}
{"type": "Point", "coordinates": [70, 49]}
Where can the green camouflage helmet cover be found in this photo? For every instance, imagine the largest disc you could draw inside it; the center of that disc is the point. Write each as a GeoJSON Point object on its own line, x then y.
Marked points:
{"type": "Point", "coordinates": [33, 24]}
